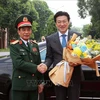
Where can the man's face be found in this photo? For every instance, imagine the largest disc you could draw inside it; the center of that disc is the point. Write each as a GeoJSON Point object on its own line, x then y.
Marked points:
{"type": "Point", "coordinates": [62, 23]}
{"type": "Point", "coordinates": [25, 32]}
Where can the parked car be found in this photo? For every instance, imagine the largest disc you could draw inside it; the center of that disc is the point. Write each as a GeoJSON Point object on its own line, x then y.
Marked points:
{"type": "Point", "coordinates": [90, 87]}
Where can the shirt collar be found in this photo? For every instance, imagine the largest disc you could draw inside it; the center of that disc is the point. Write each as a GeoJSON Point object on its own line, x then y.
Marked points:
{"type": "Point", "coordinates": [66, 33]}
{"type": "Point", "coordinates": [24, 41]}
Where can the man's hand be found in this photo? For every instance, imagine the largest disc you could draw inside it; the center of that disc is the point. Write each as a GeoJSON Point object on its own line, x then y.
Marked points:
{"type": "Point", "coordinates": [73, 64]}
{"type": "Point", "coordinates": [42, 68]}
{"type": "Point", "coordinates": [40, 88]}
{"type": "Point", "coordinates": [87, 61]}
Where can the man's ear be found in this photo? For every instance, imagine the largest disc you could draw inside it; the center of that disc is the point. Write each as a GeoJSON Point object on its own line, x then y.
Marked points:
{"type": "Point", "coordinates": [18, 32]}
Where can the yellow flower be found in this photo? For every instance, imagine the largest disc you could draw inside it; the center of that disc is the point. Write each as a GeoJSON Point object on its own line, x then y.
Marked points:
{"type": "Point", "coordinates": [77, 51]}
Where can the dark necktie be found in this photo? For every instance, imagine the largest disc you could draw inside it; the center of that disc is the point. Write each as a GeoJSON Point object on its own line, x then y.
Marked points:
{"type": "Point", "coordinates": [28, 45]}
{"type": "Point", "coordinates": [63, 40]}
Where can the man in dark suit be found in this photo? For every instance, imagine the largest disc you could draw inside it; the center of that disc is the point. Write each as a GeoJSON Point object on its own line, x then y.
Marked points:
{"type": "Point", "coordinates": [54, 55]}
{"type": "Point", "coordinates": [27, 74]}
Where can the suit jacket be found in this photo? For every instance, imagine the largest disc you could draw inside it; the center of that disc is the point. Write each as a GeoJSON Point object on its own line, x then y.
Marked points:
{"type": "Point", "coordinates": [55, 53]}
{"type": "Point", "coordinates": [25, 61]}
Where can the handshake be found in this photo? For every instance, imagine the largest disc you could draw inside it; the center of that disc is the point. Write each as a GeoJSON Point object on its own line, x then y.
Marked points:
{"type": "Point", "coordinates": [42, 68]}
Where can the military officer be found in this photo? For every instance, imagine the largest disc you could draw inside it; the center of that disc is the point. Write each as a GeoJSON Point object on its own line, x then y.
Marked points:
{"type": "Point", "coordinates": [27, 71]}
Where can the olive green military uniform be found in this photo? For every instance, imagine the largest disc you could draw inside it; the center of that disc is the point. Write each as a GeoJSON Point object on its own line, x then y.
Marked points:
{"type": "Point", "coordinates": [25, 76]}
{"type": "Point", "coordinates": [25, 58]}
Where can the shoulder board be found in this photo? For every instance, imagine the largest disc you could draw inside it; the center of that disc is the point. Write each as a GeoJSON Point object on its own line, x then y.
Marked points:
{"type": "Point", "coordinates": [33, 41]}
{"type": "Point", "coordinates": [14, 42]}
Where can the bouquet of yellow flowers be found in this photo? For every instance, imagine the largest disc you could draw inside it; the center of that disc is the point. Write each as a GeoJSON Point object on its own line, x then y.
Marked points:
{"type": "Point", "coordinates": [85, 47]}
{"type": "Point", "coordinates": [77, 51]}
{"type": "Point", "coordinates": [93, 46]}
{"type": "Point", "coordinates": [81, 51]}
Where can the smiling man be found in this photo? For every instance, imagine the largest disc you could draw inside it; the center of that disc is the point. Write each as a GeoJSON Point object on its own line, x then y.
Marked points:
{"type": "Point", "coordinates": [55, 44]}
{"type": "Point", "coordinates": [27, 73]}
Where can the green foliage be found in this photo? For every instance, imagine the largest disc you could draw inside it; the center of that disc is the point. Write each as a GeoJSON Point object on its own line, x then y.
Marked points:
{"type": "Point", "coordinates": [92, 8]}
{"type": "Point", "coordinates": [50, 26]}
{"type": "Point", "coordinates": [77, 29]}
{"type": "Point", "coordinates": [32, 36]}
{"type": "Point", "coordinates": [97, 28]}
{"type": "Point", "coordinates": [11, 9]}
{"type": "Point", "coordinates": [4, 50]}
{"type": "Point", "coordinates": [82, 8]}
{"type": "Point", "coordinates": [44, 13]}
{"type": "Point", "coordinates": [86, 30]}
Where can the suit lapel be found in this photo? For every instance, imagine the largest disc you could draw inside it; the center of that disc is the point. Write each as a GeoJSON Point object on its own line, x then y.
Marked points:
{"type": "Point", "coordinates": [57, 43]}
{"type": "Point", "coordinates": [70, 34]}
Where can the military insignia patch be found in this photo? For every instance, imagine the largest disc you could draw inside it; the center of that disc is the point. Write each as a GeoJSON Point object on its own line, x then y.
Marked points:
{"type": "Point", "coordinates": [14, 42]}
{"type": "Point", "coordinates": [22, 50]}
{"type": "Point", "coordinates": [20, 41]}
{"type": "Point", "coordinates": [34, 49]}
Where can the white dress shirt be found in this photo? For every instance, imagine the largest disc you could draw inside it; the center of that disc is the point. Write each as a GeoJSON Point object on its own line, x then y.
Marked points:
{"type": "Point", "coordinates": [60, 36]}
{"type": "Point", "coordinates": [25, 41]}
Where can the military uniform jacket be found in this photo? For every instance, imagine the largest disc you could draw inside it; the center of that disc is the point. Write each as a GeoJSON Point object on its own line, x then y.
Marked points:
{"type": "Point", "coordinates": [25, 60]}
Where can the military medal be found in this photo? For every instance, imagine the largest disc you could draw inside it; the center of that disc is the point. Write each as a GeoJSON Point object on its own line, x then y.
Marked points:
{"type": "Point", "coordinates": [20, 42]}
{"type": "Point", "coordinates": [34, 49]}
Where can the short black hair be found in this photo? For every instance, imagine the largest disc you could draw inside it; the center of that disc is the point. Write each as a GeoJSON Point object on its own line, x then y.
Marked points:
{"type": "Point", "coordinates": [61, 13]}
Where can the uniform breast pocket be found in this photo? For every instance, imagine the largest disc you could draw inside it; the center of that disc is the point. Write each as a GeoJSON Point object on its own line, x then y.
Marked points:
{"type": "Point", "coordinates": [19, 80]}
{"type": "Point", "coordinates": [35, 56]}
{"type": "Point", "coordinates": [24, 55]}
{"type": "Point", "coordinates": [35, 53]}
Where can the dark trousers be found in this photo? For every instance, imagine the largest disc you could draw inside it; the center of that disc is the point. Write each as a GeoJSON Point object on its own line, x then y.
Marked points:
{"type": "Point", "coordinates": [24, 95]}
{"type": "Point", "coordinates": [72, 92]}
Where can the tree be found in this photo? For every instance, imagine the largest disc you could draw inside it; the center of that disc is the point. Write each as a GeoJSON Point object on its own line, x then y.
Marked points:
{"type": "Point", "coordinates": [50, 26]}
{"type": "Point", "coordinates": [92, 8]}
{"type": "Point", "coordinates": [39, 11]}
{"type": "Point", "coordinates": [44, 13]}
{"type": "Point", "coordinates": [12, 10]}
{"type": "Point", "coordinates": [86, 30]}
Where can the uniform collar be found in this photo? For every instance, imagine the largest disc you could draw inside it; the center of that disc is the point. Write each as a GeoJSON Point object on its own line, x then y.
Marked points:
{"type": "Point", "coordinates": [25, 42]}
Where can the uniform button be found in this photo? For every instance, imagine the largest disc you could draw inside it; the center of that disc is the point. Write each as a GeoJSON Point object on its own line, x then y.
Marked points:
{"type": "Point", "coordinates": [19, 76]}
